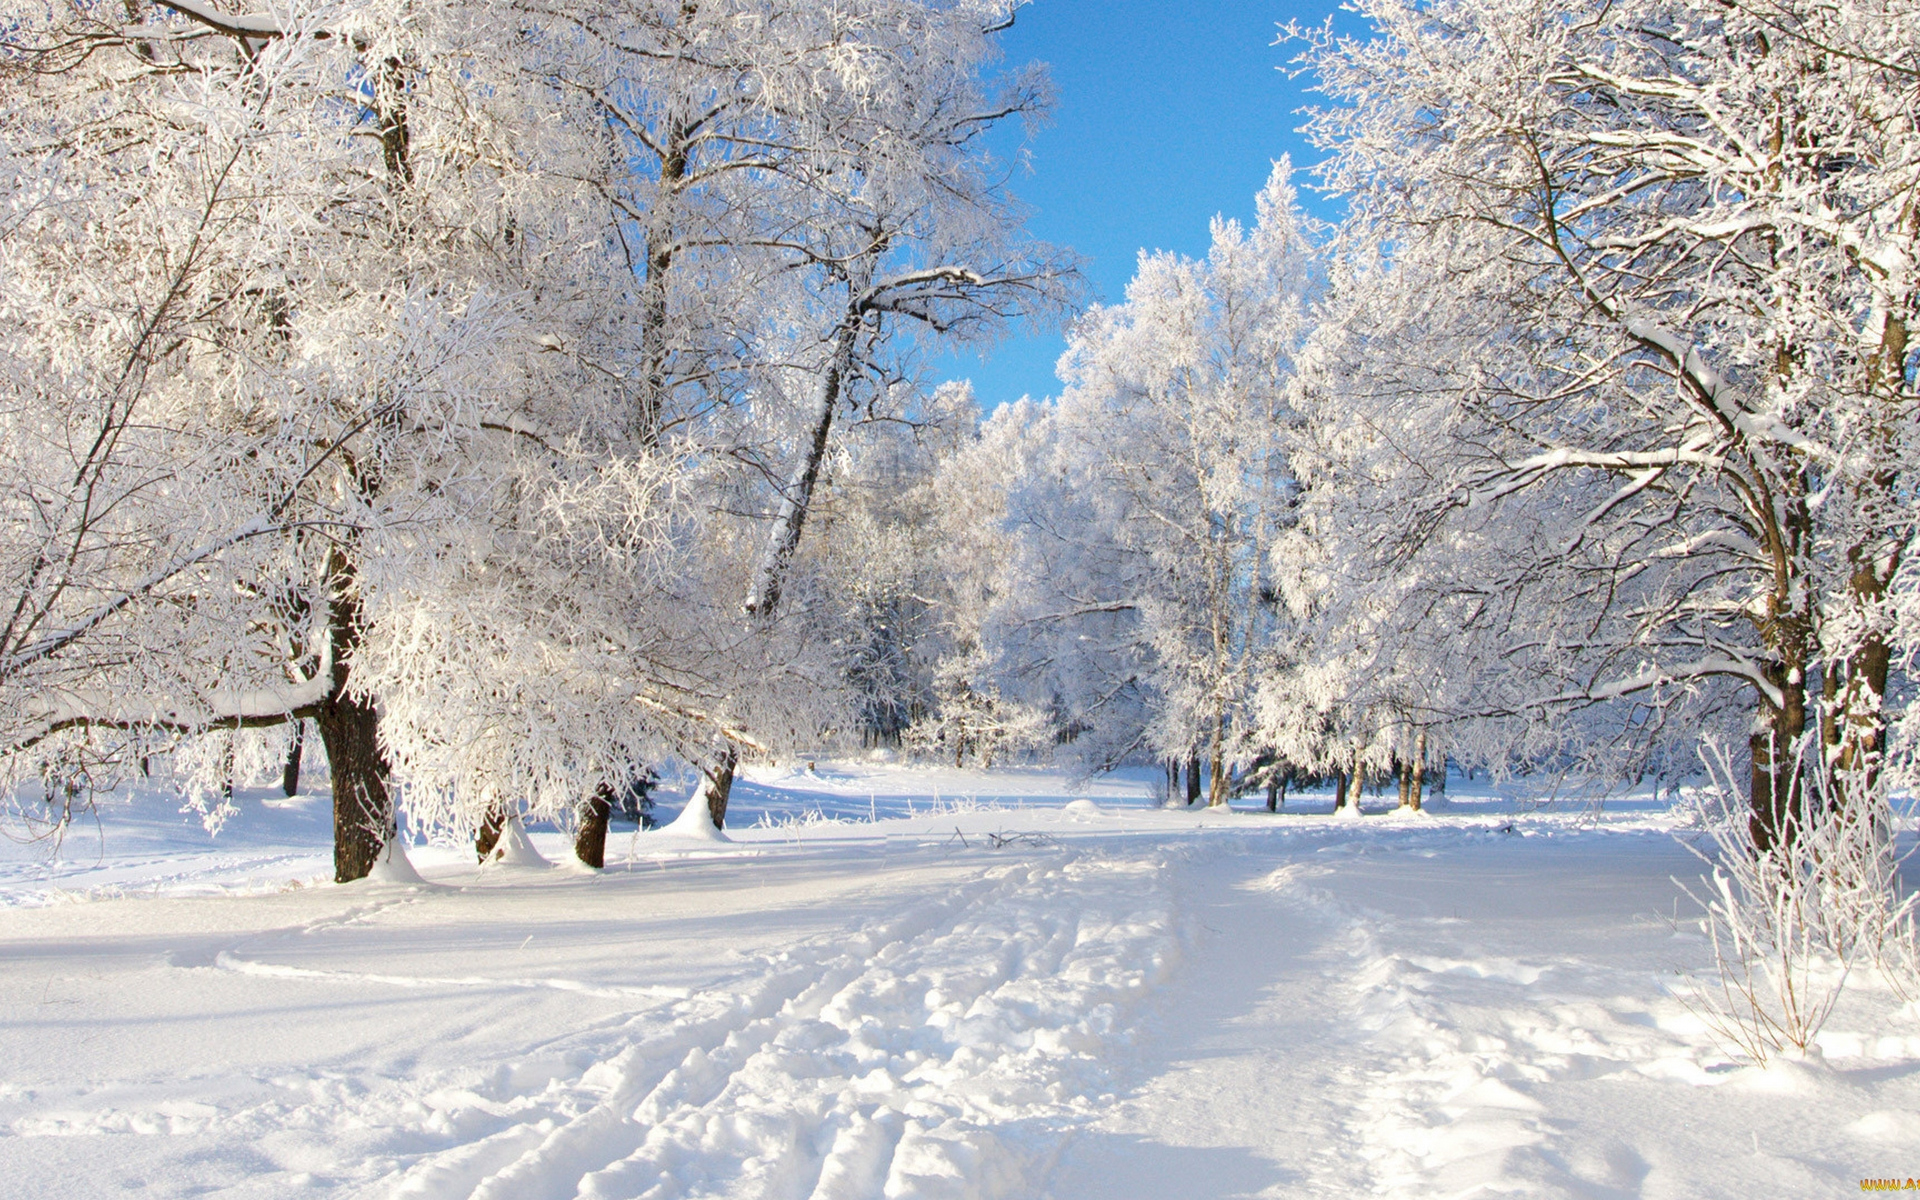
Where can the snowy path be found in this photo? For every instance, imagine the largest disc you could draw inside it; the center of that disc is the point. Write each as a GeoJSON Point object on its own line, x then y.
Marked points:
{"type": "Point", "coordinates": [1447, 1015]}
{"type": "Point", "coordinates": [1135, 1004]}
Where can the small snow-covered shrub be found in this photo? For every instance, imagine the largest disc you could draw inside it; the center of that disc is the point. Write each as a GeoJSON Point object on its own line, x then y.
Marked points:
{"type": "Point", "coordinates": [1791, 924]}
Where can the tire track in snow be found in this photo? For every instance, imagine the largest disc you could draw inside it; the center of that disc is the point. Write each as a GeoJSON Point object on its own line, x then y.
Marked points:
{"type": "Point", "coordinates": [935, 1054]}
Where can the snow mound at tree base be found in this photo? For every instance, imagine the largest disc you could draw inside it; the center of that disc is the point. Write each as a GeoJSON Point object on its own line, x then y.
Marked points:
{"type": "Point", "coordinates": [514, 849]}
{"type": "Point", "coordinates": [394, 866]}
{"type": "Point", "coordinates": [693, 822]}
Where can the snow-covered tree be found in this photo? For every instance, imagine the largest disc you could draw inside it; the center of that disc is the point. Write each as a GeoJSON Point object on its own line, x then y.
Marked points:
{"type": "Point", "coordinates": [1650, 396]}
{"type": "Point", "coordinates": [907, 238]}
{"type": "Point", "coordinates": [285, 294]}
{"type": "Point", "coordinates": [1138, 601]}
{"type": "Point", "coordinates": [421, 371]}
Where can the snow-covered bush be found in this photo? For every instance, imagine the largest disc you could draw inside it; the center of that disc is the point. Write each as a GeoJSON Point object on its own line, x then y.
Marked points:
{"type": "Point", "coordinates": [1792, 921]}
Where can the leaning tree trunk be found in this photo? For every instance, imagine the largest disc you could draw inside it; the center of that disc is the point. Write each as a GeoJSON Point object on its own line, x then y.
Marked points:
{"type": "Point", "coordinates": [797, 496]}
{"type": "Point", "coordinates": [1861, 725]}
{"type": "Point", "coordinates": [763, 601]}
{"type": "Point", "coordinates": [590, 840]}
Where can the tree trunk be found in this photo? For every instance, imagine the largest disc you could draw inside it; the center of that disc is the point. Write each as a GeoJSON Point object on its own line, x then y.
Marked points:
{"type": "Point", "coordinates": [1419, 770]}
{"type": "Point", "coordinates": [590, 841]}
{"type": "Point", "coordinates": [1219, 786]}
{"type": "Point", "coordinates": [1775, 792]}
{"type": "Point", "coordinates": [797, 497]}
{"type": "Point", "coordinates": [1172, 766]}
{"type": "Point", "coordinates": [1403, 775]}
{"type": "Point", "coordinates": [1193, 780]}
{"type": "Point", "coordinates": [363, 816]}
{"type": "Point", "coordinates": [290, 773]}
{"type": "Point", "coordinates": [1339, 790]}
{"type": "Point", "coordinates": [660, 252]}
{"type": "Point", "coordinates": [1862, 734]}
{"type": "Point", "coordinates": [363, 819]}
{"type": "Point", "coordinates": [769, 579]}
{"type": "Point", "coordinates": [491, 827]}
{"type": "Point", "coordinates": [717, 785]}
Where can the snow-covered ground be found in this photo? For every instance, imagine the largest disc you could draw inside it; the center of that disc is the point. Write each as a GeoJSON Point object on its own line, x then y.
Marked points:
{"type": "Point", "coordinates": [913, 982]}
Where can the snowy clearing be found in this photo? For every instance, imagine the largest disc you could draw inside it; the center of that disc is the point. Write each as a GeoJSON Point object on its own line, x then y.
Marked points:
{"type": "Point", "coordinates": [913, 982]}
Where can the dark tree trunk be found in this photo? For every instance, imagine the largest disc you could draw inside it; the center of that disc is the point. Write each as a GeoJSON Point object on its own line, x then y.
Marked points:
{"type": "Point", "coordinates": [488, 836]}
{"type": "Point", "coordinates": [1403, 774]}
{"type": "Point", "coordinates": [718, 786]}
{"type": "Point", "coordinates": [362, 809]}
{"type": "Point", "coordinates": [1775, 789]}
{"type": "Point", "coordinates": [290, 773]}
{"type": "Point", "coordinates": [1339, 790]}
{"type": "Point", "coordinates": [1193, 780]}
{"type": "Point", "coordinates": [590, 842]}
{"type": "Point", "coordinates": [363, 817]}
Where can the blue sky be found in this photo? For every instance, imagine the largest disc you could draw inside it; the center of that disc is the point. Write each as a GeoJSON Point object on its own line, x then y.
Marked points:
{"type": "Point", "coordinates": [1168, 112]}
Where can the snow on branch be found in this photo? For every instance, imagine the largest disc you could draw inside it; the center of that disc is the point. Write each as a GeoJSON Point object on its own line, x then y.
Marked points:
{"type": "Point", "coordinates": [1712, 665]}
{"type": "Point", "coordinates": [54, 642]}
{"type": "Point", "coordinates": [228, 23]}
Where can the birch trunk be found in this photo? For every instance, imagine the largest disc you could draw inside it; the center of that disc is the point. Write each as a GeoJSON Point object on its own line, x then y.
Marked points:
{"type": "Point", "coordinates": [1219, 787]}
{"type": "Point", "coordinates": [764, 600]}
{"type": "Point", "coordinates": [797, 497]}
{"type": "Point", "coordinates": [1419, 770]}
{"type": "Point", "coordinates": [661, 250]}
